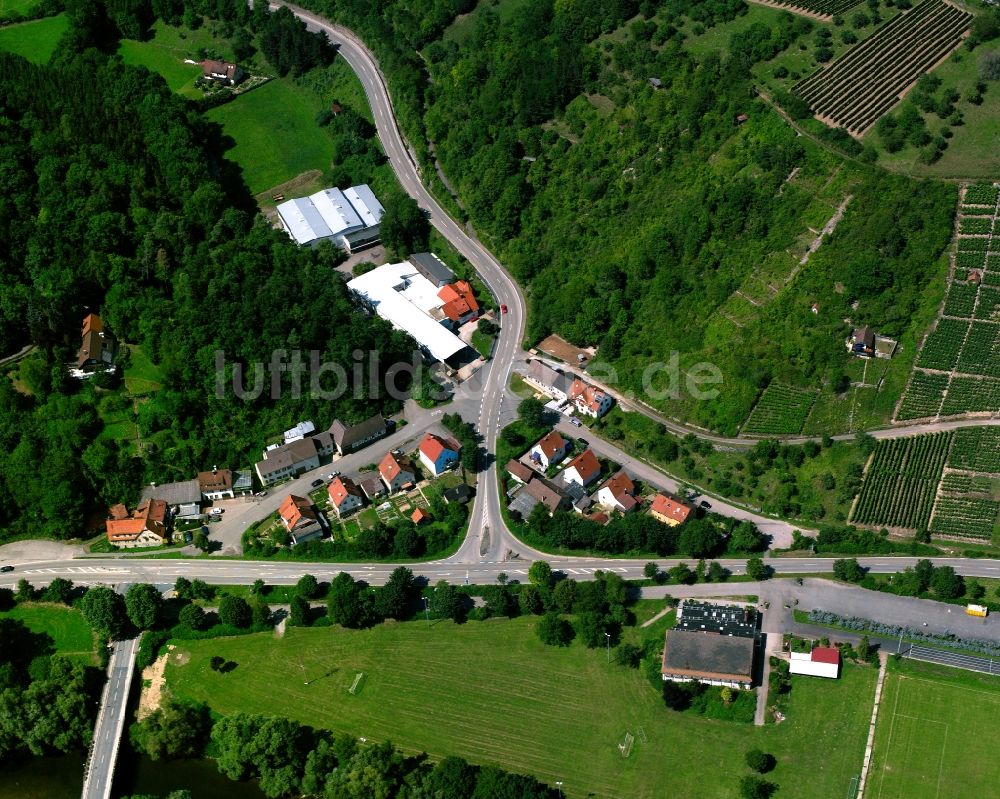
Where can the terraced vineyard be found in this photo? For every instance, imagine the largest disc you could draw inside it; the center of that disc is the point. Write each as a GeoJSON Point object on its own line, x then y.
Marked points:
{"type": "Point", "coordinates": [780, 409]}
{"type": "Point", "coordinates": [865, 83]}
{"type": "Point", "coordinates": [923, 396]}
{"type": "Point", "coordinates": [821, 8]}
{"type": "Point", "coordinates": [966, 341]}
{"type": "Point", "coordinates": [976, 449]}
{"type": "Point", "coordinates": [965, 517]}
{"type": "Point", "coordinates": [899, 487]}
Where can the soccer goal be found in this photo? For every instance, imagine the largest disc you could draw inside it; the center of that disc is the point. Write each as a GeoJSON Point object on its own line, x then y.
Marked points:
{"type": "Point", "coordinates": [356, 685]}
{"type": "Point", "coordinates": [625, 747]}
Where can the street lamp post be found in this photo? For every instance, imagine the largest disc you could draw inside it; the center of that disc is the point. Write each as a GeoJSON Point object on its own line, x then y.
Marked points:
{"type": "Point", "coordinates": [607, 638]}
{"type": "Point", "coordinates": [427, 613]}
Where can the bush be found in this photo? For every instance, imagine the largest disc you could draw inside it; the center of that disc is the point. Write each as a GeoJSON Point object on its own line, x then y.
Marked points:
{"type": "Point", "coordinates": [554, 630]}
{"type": "Point", "coordinates": [759, 761]}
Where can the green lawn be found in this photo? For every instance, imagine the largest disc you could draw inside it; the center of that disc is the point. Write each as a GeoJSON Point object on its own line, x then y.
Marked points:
{"type": "Point", "coordinates": [491, 692]}
{"type": "Point", "coordinates": [935, 728]}
{"type": "Point", "coordinates": [142, 376]}
{"type": "Point", "coordinates": [166, 52]}
{"type": "Point", "coordinates": [36, 40]}
{"type": "Point", "coordinates": [66, 626]}
{"type": "Point", "coordinates": [276, 135]}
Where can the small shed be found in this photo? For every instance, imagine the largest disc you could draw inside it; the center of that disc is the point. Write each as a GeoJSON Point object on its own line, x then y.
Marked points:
{"type": "Point", "coordinates": [822, 661]}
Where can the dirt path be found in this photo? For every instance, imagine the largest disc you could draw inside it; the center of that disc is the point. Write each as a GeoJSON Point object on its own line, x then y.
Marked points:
{"type": "Point", "coordinates": [152, 686]}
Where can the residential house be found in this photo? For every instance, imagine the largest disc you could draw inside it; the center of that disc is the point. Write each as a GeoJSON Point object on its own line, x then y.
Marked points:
{"type": "Point", "coordinates": [348, 438]}
{"type": "Point", "coordinates": [822, 661]}
{"type": "Point", "coordinates": [519, 472]}
{"type": "Point", "coordinates": [97, 346]}
{"type": "Point", "coordinates": [670, 511]}
{"type": "Point", "coordinates": [548, 380]}
{"type": "Point", "coordinates": [432, 268]}
{"type": "Point", "coordinates": [438, 454]}
{"type": "Point", "coordinates": [184, 492]}
{"type": "Point", "coordinates": [243, 482]}
{"type": "Point", "coordinates": [285, 461]}
{"type": "Point", "coordinates": [216, 484]}
{"type": "Point", "coordinates": [549, 450]}
{"type": "Point", "coordinates": [397, 473]}
{"type": "Point", "coordinates": [865, 343]}
{"type": "Point", "coordinates": [144, 527]}
{"type": "Point", "coordinates": [345, 496]}
{"type": "Point", "coordinates": [372, 487]}
{"type": "Point", "coordinates": [298, 516]}
{"type": "Point", "coordinates": [221, 71]}
{"type": "Point", "coordinates": [460, 494]}
{"type": "Point", "coordinates": [419, 516]}
{"type": "Point", "coordinates": [583, 469]}
{"type": "Point", "coordinates": [589, 400]}
{"type": "Point", "coordinates": [547, 493]}
{"type": "Point", "coordinates": [459, 303]}
{"type": "Point", "coordinates": [618, 493]}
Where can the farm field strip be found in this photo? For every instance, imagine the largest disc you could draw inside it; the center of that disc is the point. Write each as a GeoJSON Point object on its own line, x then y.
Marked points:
{"type": "Point", "coordinates": [858, 88]}
{"type": "Point", "coordinates": [826, 9]}
{"type": "Point", "coordinates": [923, 396]}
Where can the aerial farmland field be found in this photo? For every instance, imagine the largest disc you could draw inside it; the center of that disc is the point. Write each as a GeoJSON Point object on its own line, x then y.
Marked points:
{"type": "Point", "coordinates": [858, 88]}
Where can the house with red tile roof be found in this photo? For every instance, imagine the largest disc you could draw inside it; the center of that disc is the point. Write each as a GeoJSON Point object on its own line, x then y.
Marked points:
{"type": "Point", "coordinates": [583, 469]}
{"type": "Point", "coordinates": [460, 304]}
{"type": "Point", "coordinates": [396, 473]}
{"type": "Point", "coordinates": [589, 400]}
{"type": "Point", "coordinates": [298, 516]}
{"type": "Point", "coordinates": [438, 454]}
{"type": "Point", "coordinates": [549, 450]}
{"type": "Point", "coordinates": [144, 527]}
{"type": "Point", "coordinates": [618, 493]}
{"type": "Point", "coordinates": [419, 516]}
{"type": "Point", "coordinates": [670, 511]}
{"type": "Point", "coordinates": [97, 346]}
{"type": "Point", "coordinates": [518, 471]}
{"type": "Point", "coordinates": [345, 496]}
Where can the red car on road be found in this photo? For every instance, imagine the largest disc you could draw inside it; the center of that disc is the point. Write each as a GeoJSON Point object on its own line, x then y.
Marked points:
{"type": "Point", "coordinates": [503, 309]}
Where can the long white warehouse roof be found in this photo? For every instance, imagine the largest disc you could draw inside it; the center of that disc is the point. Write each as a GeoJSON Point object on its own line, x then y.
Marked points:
{"type": "Point", "coordinates": [397, 292]}
{"type": "Point", "coordinates": [330, 212]}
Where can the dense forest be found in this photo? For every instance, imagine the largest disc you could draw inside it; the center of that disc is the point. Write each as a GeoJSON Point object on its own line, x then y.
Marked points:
{"type": "Point", "coordinates": [115, 199]}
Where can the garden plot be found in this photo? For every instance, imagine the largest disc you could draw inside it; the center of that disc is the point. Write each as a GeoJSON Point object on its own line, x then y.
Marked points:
{"type": "Point", "coordinates": [781, 409]}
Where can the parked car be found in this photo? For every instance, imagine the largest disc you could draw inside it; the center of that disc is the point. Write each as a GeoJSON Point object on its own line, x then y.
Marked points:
{"type": "Point", "coordinates": [6, 568]}
{"type": "Point", "coordinates": [575, 422]}
{"type": "Point", "coordinates": [332, 475]}
{"type": "Point", "coordinates": [503, 309]}
{"type": "Point", "coordinates": [217, 511]}
{"type": "Point", "coordinates": [316, 483]}
{"type": "Point", "coordinates": [261, 494]}
{"type": "Point", "coordinates": [706, 504]}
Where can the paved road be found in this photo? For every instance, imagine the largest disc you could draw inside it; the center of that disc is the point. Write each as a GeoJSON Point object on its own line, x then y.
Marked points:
{"type": "Point", "coordinates": [110, 721]}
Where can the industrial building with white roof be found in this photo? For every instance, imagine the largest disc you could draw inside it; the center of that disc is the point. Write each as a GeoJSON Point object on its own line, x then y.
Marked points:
{"type": "Point", "coordinates": [349, 218]}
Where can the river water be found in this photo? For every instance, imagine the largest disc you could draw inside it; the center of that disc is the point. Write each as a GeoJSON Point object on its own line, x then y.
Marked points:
{"type": "Point", "coordinates": [62, 778]}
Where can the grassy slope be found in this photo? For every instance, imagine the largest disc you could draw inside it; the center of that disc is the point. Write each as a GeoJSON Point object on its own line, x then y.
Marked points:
{"type": "Point", "coordinates": [492, 692]}
{"type": "Point", "coordinates": [68, 629]}
{"type": "Point", "coordinates": [19, 6]}
{"type": "Point", "coordinates": [933, 726]}
{"type": "Point", "coordinates": [166, 51]}
{"type": "Point", "coordinates": [36, 40]}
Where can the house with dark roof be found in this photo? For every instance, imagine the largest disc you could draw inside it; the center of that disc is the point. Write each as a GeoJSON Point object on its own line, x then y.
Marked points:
{"type": "Point", "coordinates": [672, 512]}
{"type": "Point", "coordinates": [548, 380]}
{"type": "Point", "coordinates": [216, 484]}
{"type": "Point", "coordinates": [146, 526]}
{"type": "Point", "coordinates": [540, 491]}
{"type": "Point", "coordinates": [183, 492]}
{"type": "Point", "coordinates": [97, 346]}
{"type": "Point", "coordinates": [549, 450]}
{"type": "Point", "coordinates": [865, 343]}
{"type": "Point", "coordinates": [287, 460]}
{"type": "Point", "coordinates": [460, 494]}
{"type": "Point", "coordinates": [432, 268]}
{"type": "Point", "coordinates": [396, 473]}
{"type": "Point", "coordinates": [518, 471]}
{"type": "Point", "coordinates": [583, 469]}
{"type": "Point", "coordinates": [221, 71]}
{"type": "Point", "coordinates": [711, 643]}
{"type": "Point", "coordinates": [345, 496]}
{"type": "Point", "coordinates": [348, 438]}
{"type": "Point", "coordinates": [618, 493]}
{"type": "Point", "coordinates": [372, 487]}
{"type": "Point", "coordinates": [438, 454]}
